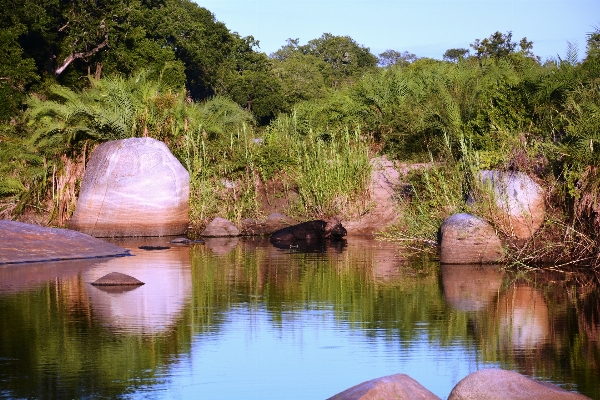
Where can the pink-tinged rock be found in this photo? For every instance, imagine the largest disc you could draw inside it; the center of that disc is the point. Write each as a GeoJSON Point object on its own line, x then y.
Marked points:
{"type": "Point", "coordinates": [399, 386]}
{"type": "Point", "coordinates": [467, 239]}
{"type": "Point", "coordinates": [21, 243]}
{"type": "Point", "coordinates": [220, 227]}
{"type": "Point", "coordinates": [133, 187]}
{"type": "Point", "coordinates": [498, 384]}
{"type": "Point", "coordinates": [519, 198]}
{"type": "Point", "coordinates": [117, 279]}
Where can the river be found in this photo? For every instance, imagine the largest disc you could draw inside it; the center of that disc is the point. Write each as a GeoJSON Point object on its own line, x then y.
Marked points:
{"type": "Point", "coordinates": [238, 318]}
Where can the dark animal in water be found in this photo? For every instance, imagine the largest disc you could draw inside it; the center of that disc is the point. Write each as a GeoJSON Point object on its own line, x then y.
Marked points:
{"type": "Point", "coordinates": [310, 231]}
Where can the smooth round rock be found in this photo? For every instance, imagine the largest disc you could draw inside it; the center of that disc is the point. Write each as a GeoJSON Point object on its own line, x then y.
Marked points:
{"type": "Point", "coordinates": [117, 279]}
{"type": "Point", "coordinates": [220, 227]}
{"type": "Point", "coordinates": [133, 187]}
{"type": "Point", "coordinates": [498, 384]}
{"type": "Point", "coordinates": [519, 198]}
{"type": "Point", "coordinates": [467, 239]}
{"type": "Point", "coordinates": [399, 386]}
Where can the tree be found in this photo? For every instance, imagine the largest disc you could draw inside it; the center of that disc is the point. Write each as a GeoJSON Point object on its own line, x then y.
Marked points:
{"type": "Point", "coordinates": [453, 55]}
{"type": "Point", "coordinates": [16, 72]}
{"type": "Point", "coordinates": [347, 59]}
{"type": "Point", "coordinates": [393, 57]}
{"type": "Point", "coordinates": [500, 45]}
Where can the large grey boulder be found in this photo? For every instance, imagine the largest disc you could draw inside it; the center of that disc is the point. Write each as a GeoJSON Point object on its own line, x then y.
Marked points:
{"type": "Point", "coordinates": [21, 243]}
{"type": "Point", "coordinates": [498, 384]}
{"type": "Point", "coordinates": [399, 386]}
{"type": "Point", "coordinates": [467, 239]}
{"type": "Point", "coordinates": [520, 200]}
{"type": "Point", "coordinates": [220, 227]}
{"type": "Point", "coordinates": [133, 187]}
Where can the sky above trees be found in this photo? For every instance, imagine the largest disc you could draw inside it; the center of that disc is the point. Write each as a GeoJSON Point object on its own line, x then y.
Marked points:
{"type": "Point", "coordinates": [426, 28]}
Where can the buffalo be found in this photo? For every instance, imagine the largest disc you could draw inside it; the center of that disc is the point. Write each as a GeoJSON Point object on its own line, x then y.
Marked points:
{"type": "Point", "coordinates": [309, 235]}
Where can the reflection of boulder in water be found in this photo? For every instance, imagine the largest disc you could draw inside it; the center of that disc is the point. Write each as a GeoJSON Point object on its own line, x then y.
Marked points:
{"type": "Point", "coordinates": [523, 317]}
{"type": "Point", "coordinates": [471, 287]}
{"type": "Point", "coordinates": [152, 307]}
{"type": "Point", "coordinates": [221, 245]}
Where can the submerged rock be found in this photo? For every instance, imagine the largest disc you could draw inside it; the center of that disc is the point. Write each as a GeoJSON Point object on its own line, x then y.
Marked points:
{"type": "Point", "coordinates": [467, 239]}
{"type": "Point", "coordinates": [20, 243]}
{"type": "Point", "coordinates": [498, 384]}
{"type": "Point", "coordinates": [133, 187]}
{"type": "Point", "coordinates": [117, 279]}
{"type": "Point", "coordinates": [399, 386]}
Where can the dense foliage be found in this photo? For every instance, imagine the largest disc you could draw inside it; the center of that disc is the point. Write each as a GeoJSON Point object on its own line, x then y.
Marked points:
{"type": "Point", "coordinates": [74, 73]}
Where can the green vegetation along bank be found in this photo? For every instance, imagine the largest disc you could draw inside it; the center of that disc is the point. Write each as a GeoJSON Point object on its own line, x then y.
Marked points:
{"type": "Point", "coordinates": [295, 130]}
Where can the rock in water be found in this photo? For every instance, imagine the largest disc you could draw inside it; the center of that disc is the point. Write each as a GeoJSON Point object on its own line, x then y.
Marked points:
{"type": "Point", "coordinates": [21, 243]}
{"type": "Point", "coordinates": [133, 187]}
{"type": "Point", "coordinates": [399, 386]}
{"type": "Point", "coordinates": [467, 239]}
{"type": "Point", "coordinates": [519, 198]}
{"type": "Point", "coordinates": [117, 279]}
{"type": "Point", "coordinates": [498, 384]}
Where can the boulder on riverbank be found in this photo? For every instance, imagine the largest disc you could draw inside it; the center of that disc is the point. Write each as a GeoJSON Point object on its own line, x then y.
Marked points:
{"type": "Point", "coordinates": [467, 239]}
{"type": "Point", "coordinates": [492, 384]}
{"type": "Point", "coordinates": [133, 187]}
{"type": "Point", "coordinates": [274, 222]}
{"type": "Point", "coordinates": [519, 199]}
{"type": "Point", "coordinates": [220, 227]}
{"type": "Point", "coordinates": [20, 243]}
{"type": "Point", "coordinates": [399, 386]}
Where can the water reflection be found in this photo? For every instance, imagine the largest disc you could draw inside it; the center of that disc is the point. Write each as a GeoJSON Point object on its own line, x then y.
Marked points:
{"type": "Point", "coordinates": [523, 317]}
{"type": "Point", "coordinates": [471, 287]}
{"type": "Point", "coordinates": [150, 308]}
{"type": "Point", "coordinates": [287, 319]}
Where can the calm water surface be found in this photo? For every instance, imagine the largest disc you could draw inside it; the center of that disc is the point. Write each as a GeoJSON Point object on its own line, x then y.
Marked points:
{"type": "Point", "coordinates": [232, 319]}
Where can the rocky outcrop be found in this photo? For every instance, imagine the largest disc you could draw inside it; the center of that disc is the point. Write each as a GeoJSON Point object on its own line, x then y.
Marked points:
{"type": "Point", "coordinates": [520, 200]}
{"type": "Point", "coordinates": [399, 386]}
{"type": "Point", "coordinates": [133, 187]}
{"type": "Point", "coordinates": [467, 239]}
{"type": "Point", "coordinates": [498, 384]}
{"type": "Point", "coordinates": [220, 227]}
{"type": "Point", "coordinates": [274, 222]}
{"type": "Point", "coordinates": [21, 243]}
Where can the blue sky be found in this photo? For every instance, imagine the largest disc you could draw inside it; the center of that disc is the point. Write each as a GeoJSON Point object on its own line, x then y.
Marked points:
{"type": "Point", "coordinates": [426, 28]}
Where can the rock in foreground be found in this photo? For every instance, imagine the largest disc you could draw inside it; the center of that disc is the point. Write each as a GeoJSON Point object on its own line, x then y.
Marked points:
{"type": "Point", "coordinates": [467, 239]}
{"type": "Point", "coordinates": [21, 243]}
{"type": "Point", "coordinates": [399, 386]}
{"type": "Point", "coordinates": [498, 384]}
{"type": "Point", "coordinates": [133, 187]}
